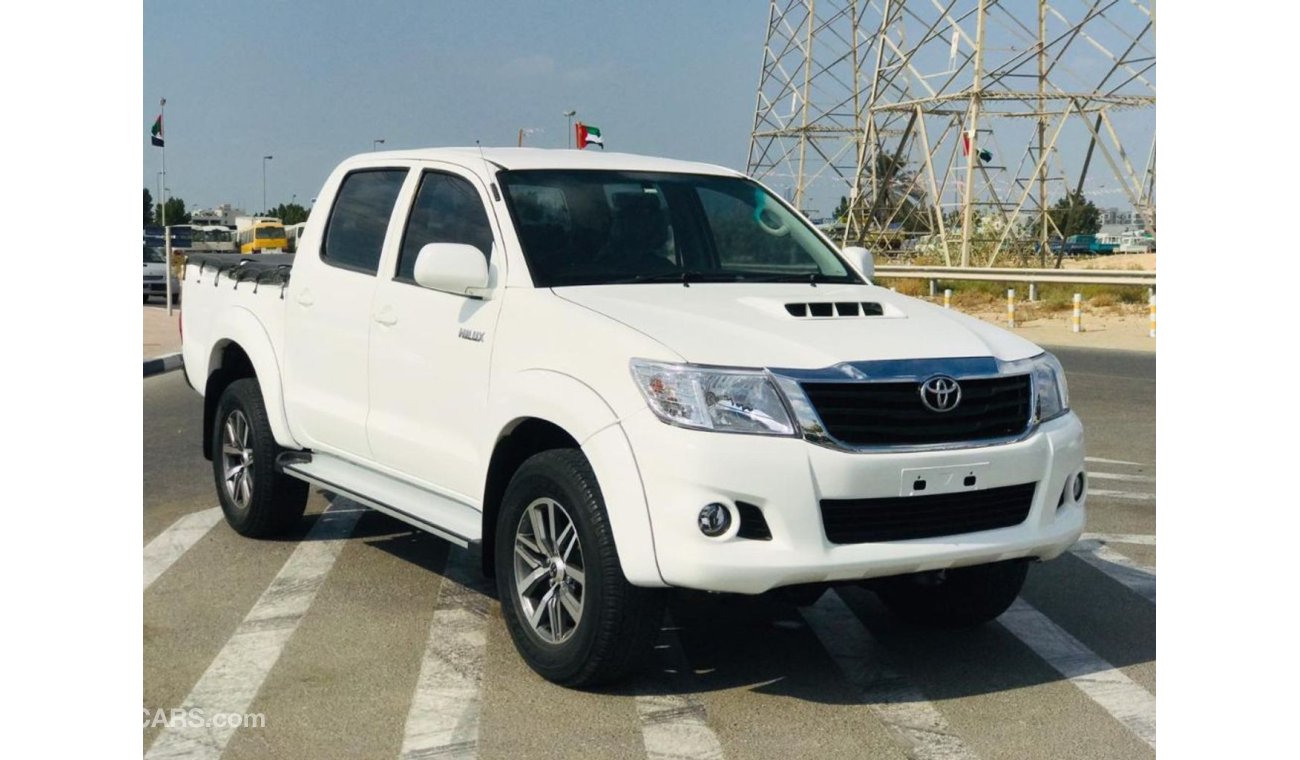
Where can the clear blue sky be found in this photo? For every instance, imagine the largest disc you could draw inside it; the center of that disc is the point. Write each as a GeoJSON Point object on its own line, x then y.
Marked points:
{"type": "Point", "coordinates": [311, 83]}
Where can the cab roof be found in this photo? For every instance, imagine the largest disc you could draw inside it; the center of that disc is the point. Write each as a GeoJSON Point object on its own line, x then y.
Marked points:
{"type": "Point", "coordinates": [548, 158]}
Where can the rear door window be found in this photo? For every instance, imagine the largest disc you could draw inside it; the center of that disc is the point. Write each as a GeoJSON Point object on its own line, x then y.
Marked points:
{"type": "Point", "coordinates": [354, 234]}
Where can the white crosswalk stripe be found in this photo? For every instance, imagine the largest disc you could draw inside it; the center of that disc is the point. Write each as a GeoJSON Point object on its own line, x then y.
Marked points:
{"type": "Point", "coordinates": [1121, 476]}
{"type": "Point", "coordinates": [1121, 538]}
{"type": "Point", "coordinates": [171, 544]}
{"type": "Point", "coordinates": [443, 719]}
{"type": "Point", "coordinates": [1115, 692]}
{"type": "Point", "coordinates": [1138, 578]}
{"type": "Point", "coordinates": [235, 676]}
{"type": "Point", "coordinates": [912, 721]}
{"type": "Point", "coordinates": [1113, 461]}
{"type": "Point", "coordinates": [1127, 495]}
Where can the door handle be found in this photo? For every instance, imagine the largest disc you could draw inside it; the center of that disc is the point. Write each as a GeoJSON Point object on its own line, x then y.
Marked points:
{"type": "Point", "coordinates": [305, 298]}
{"type": "Point", "coordinates": [386, 316]}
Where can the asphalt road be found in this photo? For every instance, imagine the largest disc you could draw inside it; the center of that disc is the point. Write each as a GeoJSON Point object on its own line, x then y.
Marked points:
{"type": "Point", "coordinates": [357, 637]}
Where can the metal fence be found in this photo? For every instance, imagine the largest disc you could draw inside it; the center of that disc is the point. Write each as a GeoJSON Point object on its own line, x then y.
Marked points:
{"type": "Point", "coordinates": [990, 274]}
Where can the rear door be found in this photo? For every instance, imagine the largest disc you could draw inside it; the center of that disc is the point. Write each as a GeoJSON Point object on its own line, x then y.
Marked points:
{"type": "Point", "coordinates": [430, 350]}
{"type": "Point", "coordinates": [328, 317]}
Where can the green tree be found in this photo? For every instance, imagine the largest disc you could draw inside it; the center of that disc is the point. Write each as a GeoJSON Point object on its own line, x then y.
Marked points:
{"type": "Point", "coordinates": [148, 207]}
{"type": "Point", "coordinates": [841, 210]}
{"type": "Point", "coordinates": [900, 204]}
{"type": "Point", "coordinates": [289, 213]}
{"type": "Point", "coordinates": [1075, 215]}
{"type": "Point", "coordinates": [176, 213]}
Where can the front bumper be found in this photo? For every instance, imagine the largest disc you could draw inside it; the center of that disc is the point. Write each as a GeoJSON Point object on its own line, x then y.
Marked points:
{"type": "Point", "coordinates": [682, 470]}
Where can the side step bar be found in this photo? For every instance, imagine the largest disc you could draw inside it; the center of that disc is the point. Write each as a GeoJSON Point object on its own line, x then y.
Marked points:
{"type": "Point", "coordinates": [459, 523]}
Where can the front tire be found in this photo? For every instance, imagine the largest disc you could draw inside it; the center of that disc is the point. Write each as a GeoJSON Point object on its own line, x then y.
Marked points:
{"type": "Point", "coordinates": [573, 615]}
{"type": "Point", "coordinates": [258, 501]}
{"type": "Point", "coordinates": [961, 597]}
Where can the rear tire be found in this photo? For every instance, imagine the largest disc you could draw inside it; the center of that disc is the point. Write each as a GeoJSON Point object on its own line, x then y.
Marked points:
{"type": "Point", "coordinates": [961, 597]}
{"type": "Point", "coordinates": [258, 501]}
{"type": "Point", "coordinates": [569, 557]}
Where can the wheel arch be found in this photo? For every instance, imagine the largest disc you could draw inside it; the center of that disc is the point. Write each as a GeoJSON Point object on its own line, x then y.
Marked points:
{"type": "Point", "coordinates": [244, 351]}
{"type": "Point", "coordinates": [551, 410]}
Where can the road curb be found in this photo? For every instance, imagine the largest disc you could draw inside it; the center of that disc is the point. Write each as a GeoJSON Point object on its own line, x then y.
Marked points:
{"type": "Point", "coordinates": [162, 364]}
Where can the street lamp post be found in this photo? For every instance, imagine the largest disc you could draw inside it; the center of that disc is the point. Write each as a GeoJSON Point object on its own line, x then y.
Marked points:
{"type": "Point", "coordinates": [264, 160]}
{"type": "Point", "coordinates": [374, 144]}
{"type": "Point", "coordinates": [568, 141]}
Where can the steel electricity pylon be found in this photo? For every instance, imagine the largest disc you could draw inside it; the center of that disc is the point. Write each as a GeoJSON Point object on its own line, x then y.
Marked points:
{"type": "Point", "coordinates": [953, 125]}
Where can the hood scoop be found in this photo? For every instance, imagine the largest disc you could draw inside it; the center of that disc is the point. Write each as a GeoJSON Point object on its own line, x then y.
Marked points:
{"type": "Point", "coordinates": [830, 309]}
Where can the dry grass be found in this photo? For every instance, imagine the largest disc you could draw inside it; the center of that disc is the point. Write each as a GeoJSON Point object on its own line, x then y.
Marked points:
{"type": "Point", "coordinates": [1052, 297]}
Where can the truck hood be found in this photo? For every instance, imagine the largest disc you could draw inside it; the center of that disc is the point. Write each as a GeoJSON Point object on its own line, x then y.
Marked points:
{"type": "Point", "coordinates": [751, 325]}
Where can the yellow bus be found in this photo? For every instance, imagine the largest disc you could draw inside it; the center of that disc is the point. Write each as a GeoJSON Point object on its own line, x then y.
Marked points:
{"type": "Point", "coordinates": [262, 236]}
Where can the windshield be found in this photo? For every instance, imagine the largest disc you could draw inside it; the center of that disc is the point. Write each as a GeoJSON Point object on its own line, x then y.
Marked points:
{"type": "Point", "coordinates": [599, 227]}
{"type": "Point", "coordinates": [153, 255]}
{"type": "Point", "coordinates": [268, 233]}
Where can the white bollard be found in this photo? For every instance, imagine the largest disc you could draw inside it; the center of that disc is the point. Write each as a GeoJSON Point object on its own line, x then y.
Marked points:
{"type": "Point", "coordinates": [1151, 301]}
{"type": "Point", "coordinates": [1033, 292]}
{"type": "Point", "coordinates": [934, 288]}
{"type": "Point", "coordinates": [947, 298]}
{"type": "Point", "coordinates": [1076, 320]}
{"type": "Point", "coordinates": [1011, 307]}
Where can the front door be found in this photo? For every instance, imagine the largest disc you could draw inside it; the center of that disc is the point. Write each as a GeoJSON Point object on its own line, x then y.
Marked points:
{"type": "Point", "coordinates": [430, 351]}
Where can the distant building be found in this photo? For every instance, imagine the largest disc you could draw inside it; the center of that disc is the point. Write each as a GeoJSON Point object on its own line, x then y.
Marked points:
{"type": "Point", "coordinates": [224, 215]}
{"type": "Point", "coordinates": [1120, 216]}
{"type": "Point", "coordinates": [1117, 228]}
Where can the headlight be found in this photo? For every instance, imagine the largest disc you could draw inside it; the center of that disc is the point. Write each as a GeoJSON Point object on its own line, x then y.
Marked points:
{"type": "Point", "coordinates": [1049, 381]}
{"type": "Point", "coordinates": [727, 400]}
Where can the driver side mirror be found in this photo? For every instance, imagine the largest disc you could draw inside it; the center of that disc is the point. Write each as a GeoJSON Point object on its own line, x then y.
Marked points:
{"type": "Point", "coordinates": [452, 268]}
{"type": "Point", "coordinates": [862, 259]}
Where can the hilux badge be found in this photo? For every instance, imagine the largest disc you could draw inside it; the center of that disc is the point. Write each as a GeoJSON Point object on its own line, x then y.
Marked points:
{"type": "Point", "coordinates": [940, 394]}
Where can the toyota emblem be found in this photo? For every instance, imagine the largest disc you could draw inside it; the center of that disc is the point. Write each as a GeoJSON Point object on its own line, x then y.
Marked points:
{"type": "Point", "coordinates": [940, 394]}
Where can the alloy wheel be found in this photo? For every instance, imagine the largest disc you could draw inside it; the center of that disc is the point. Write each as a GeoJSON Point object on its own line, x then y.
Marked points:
{"type": "Point", "coordinates": [550, 576]}
{"type": "Point", "coordinates": [237, 459]}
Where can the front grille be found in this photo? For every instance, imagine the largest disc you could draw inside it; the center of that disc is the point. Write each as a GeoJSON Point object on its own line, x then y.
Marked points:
{"type": "Point", "coordinates": [153, 278]}
{"type": "Point", "coordinates": [891, 413]}
{"type": "Point", "coordinates": [899, 518]}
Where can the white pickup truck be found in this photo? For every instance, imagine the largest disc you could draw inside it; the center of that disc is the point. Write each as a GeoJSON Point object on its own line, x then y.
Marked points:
{"type": "Point", "coordinates": [607, 375]}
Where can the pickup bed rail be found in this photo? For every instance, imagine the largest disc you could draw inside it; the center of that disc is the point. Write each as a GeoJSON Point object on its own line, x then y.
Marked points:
{"type": "Point", "coordinates": [261, 269]}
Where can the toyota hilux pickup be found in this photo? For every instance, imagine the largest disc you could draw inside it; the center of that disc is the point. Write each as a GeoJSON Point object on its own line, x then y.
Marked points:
{"type": "Point", "coordinates": [607, 376]}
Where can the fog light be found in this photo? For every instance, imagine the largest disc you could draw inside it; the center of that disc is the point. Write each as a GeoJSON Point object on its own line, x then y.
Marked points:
{"type": "Point", "coordinates": [1078, 486]}
{"type": "Point", "coordinates": [714, 519]}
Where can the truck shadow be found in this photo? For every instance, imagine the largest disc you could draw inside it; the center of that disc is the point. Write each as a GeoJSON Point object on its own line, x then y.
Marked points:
{"type": "Point", "coordinates": [766, 644]}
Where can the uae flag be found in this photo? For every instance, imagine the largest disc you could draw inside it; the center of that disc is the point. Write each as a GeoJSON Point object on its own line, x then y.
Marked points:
{"type": "Point", "coordinates": [156, 134]}
{"type": "Point", "coordinates": [588, 135]}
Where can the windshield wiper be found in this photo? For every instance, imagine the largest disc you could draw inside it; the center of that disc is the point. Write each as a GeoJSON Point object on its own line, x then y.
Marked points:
{"type": "Point", "coordinates": [812, 278]}
{"type": "Point", "coordinates": [685, 277]}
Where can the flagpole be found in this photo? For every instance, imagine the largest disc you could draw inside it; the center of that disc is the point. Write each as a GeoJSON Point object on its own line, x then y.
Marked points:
{"type": "Point", "coordinates": [167, 235]}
